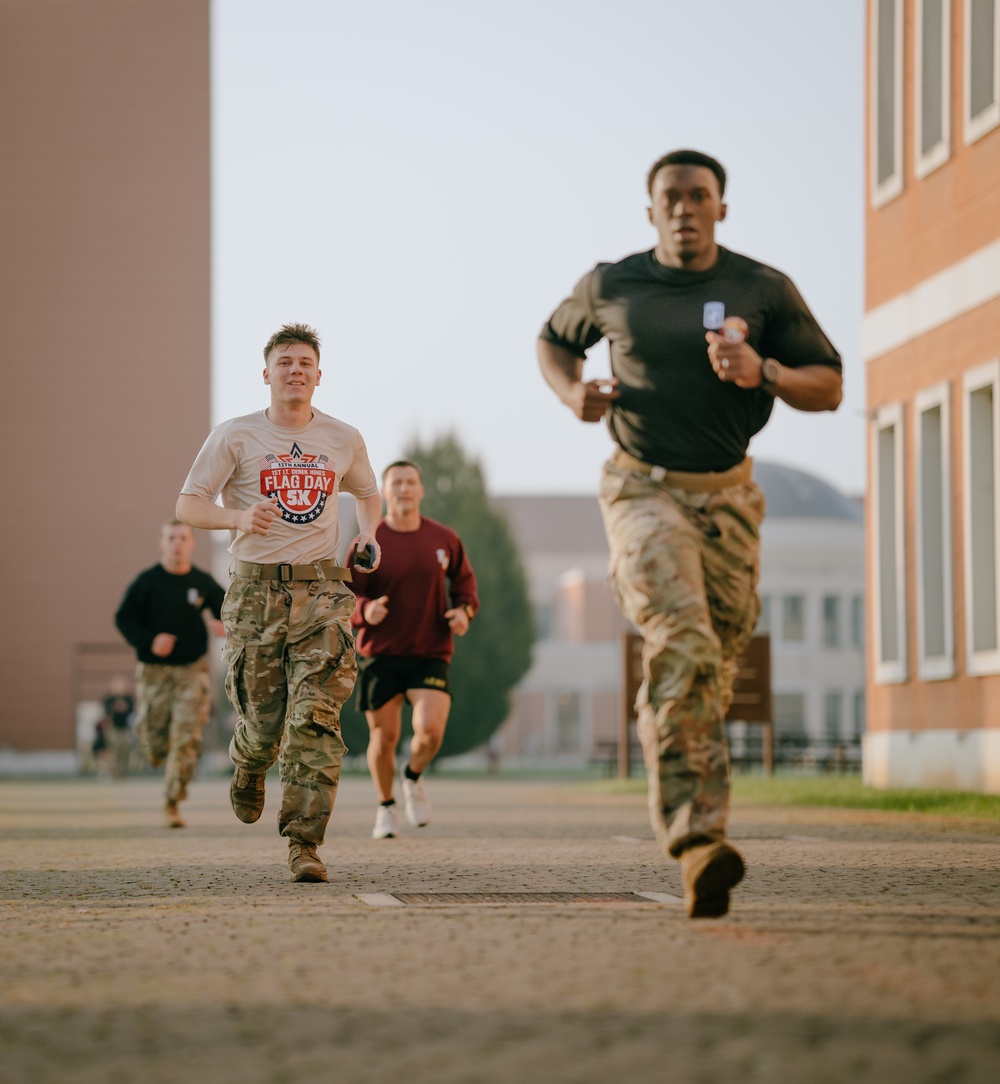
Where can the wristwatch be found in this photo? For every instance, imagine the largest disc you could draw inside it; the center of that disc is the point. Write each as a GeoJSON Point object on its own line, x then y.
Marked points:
{"type": "Point", "coordinates": [470, 613]}
{"type": "Point", "coordinates": [770, 370]}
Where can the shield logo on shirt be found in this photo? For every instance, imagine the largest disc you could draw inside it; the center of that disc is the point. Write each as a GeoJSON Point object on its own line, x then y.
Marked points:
{"type": "Point", "coordinates": [301, 483]}
{"type": "Point", "coordinates": [713, 315]}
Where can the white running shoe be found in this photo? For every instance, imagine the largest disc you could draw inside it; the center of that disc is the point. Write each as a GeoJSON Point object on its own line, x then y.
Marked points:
{"type": "Point", "coordinates": [386, 822]}
{"type": "Point", "coordinates": [415, 804]}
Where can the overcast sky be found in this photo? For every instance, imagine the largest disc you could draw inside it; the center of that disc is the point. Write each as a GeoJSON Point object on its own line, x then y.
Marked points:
{"type": "Point", "coordinates": [425, 182]}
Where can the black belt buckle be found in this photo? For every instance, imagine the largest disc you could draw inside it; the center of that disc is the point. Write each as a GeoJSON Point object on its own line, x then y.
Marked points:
{"type": "Point", "coordinates": [285, 573]}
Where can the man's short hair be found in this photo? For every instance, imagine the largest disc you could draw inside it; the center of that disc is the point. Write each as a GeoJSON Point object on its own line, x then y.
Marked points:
{"type": "Point", "coordinates": [293, 333]}
{"type": "Point", "coordinates": [687, 158]}
{"type": "Point", "coordinates": [403, 463]}
{"type": "Point", "coordinates": [170, 523]}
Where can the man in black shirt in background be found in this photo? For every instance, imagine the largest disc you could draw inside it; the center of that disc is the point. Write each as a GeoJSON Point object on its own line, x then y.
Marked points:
{"type": "Point", "coordinates": [166, 615]}
{"type": "Point", "coordinates": [702, 341]}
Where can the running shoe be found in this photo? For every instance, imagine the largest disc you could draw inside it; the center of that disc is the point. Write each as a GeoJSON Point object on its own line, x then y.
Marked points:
{"type": "Point", "coordinates": [386, 822]}
{"type": "Point", "coordinates": [415, 804]}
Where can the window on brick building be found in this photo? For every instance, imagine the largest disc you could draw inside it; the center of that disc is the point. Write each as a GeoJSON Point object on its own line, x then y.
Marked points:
{"type": "Point", "coordinates": [935, 650]}
{"type": "Point", "coordinates": [982, 67]}
{"type": "Point", "coordinates": [890, 592]}
{"type": "Point", "coordinates": [933, 78]}
{"type": "Point", "coordinates": [982, 507]}
{"type": "Point", "coordinates": [887, 100]}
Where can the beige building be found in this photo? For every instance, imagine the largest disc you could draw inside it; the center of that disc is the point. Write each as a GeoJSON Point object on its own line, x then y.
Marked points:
{"type": "Point", "coordinates": [105, 326]}
{"type": "Point", "coordinates": [566, 711]}
{"type": "Point", "coordinates": [931, 340]}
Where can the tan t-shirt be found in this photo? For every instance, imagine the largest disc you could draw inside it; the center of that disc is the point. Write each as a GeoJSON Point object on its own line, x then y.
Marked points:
{"type": "Point", "coordinates": [249, 459]}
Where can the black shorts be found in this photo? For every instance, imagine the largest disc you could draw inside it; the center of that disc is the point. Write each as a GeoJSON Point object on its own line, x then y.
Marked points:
{"type": "Point", "coordinates": [383, 677]}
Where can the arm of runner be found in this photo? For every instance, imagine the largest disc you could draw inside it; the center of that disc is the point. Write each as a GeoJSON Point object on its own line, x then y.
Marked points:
{"type": "Point", "coordinates": [369, 511]}
{"type": "Point", "coordinates": [804, 387]}
{"type": "Point", "coordinates": [563, 371]}
{"type": "Point", "coordinates": [200, 512]}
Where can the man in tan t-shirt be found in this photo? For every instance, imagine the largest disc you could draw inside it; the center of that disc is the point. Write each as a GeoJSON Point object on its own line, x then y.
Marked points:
{"type": "Point", "coordinates": [289, 645]}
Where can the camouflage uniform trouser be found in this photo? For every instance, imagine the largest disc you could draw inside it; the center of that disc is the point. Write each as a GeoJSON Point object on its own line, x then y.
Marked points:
{"type": "Point", "coordinates": [290, 666]}
{"type": "Point", "coordinates": [120, 743]}
{"type": "Point", "coordinates": [172, 709]}
{"type": "Point", "coordinates": [684, 568]}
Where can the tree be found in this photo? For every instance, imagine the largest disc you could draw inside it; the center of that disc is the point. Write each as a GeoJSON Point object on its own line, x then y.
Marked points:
{"type": "Point", "coordinates": [496, 652]}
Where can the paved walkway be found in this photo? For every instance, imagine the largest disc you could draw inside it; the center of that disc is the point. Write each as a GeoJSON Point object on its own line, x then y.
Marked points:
{"type": "Point", "coordinates": [862, 947]}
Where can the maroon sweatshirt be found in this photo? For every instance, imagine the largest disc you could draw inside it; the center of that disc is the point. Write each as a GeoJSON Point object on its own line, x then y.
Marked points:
{"type": "Point", "coordinates": [424, 573]}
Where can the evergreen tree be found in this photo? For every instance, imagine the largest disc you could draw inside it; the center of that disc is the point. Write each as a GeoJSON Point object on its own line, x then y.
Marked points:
{"type": "Point", "coordinates": [496, 652]}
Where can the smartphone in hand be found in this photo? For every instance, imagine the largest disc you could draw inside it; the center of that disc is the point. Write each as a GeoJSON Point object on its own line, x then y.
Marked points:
{"type": "Point", "coordinates": [363, 558]}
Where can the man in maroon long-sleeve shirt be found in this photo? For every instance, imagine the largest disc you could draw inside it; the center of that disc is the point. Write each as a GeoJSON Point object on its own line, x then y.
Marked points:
{"type": "Point", "coordinates": [422, 595]}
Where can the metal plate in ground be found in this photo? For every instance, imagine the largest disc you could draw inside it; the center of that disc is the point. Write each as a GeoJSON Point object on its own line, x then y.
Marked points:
{"type": "Point", "coordinates": [431, 898]}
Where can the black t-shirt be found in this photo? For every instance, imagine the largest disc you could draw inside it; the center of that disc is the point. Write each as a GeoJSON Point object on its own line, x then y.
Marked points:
{"type": "Point", "coordinates": [674, 411]}
{"type": "Point", "coordinates": [160, 601]}
{"type": "Point", "coordinates": [118, 708]}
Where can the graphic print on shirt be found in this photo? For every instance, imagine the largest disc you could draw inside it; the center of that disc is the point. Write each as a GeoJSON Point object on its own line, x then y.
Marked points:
{"type": "Point", "coordinates": [442, 557]}
{"type": "Point", "coordinates": [301, 483]}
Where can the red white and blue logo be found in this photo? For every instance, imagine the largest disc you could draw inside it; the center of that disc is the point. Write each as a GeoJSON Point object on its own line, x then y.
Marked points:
{"type": "Point", "coordinates": [301, 483]}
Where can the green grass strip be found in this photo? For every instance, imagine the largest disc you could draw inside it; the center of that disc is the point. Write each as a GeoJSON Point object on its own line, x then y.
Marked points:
{"type": "Point", "coordinates": [839, 792]}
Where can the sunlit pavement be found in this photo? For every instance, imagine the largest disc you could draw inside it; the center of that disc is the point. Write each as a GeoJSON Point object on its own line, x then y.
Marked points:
{"type": "Point", "coordinates": [861, 947]}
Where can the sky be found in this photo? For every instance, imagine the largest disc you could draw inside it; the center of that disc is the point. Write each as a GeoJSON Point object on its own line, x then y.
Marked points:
{"type": "Point", "coordinates": [424, 183]}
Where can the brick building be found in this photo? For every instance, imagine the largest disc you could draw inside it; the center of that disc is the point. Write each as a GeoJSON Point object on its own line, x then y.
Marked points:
{"type": "Point", "coordinates": [931, 341]}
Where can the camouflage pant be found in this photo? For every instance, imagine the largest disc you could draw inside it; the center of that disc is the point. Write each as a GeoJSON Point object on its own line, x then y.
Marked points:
{"type": "Point", "coordinates": [172, 706]}
{"type": "Point", "coordinates": [290, 667]}
{"type": "Point", "coordinates": [120, 745]}
{"type": "Point", "coordinates": [684, 569]}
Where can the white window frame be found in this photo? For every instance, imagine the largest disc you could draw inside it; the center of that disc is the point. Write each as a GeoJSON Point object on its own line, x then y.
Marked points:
{"type": "Point", "coordinates": [893, 185]}
{"type": "Point", "coordinates": [928, 161]}
{"type": "Point", "coordinates": [889, 671]}
{"type": "Point", "coordinates": [935, 667]}
{"type": "Point", "coordinates": [988, 375]}
{"type": "Point", "coordinates": [985, 121]}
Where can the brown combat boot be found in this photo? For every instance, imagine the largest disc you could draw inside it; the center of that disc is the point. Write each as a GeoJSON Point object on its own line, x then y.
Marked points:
{"type": "Point", "coordinates": [709, 871]}
{"type": "Point", "coordinates": [246, 795]}
{"type": "Point", "coordinates": [304, 862]}
{"type": "Point", "coordinates": [172, 816]}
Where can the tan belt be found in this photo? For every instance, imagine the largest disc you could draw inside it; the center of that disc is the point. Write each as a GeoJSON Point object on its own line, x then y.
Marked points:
{"type": "Point", "coordinates": [693, 482]}
{"type": "Point", "coordinates": [318, 570]}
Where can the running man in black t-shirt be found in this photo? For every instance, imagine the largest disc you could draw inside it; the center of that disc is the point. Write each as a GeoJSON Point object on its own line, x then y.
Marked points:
{"type": "Point", "coordinates": [702, 341]}
{"type": "Point", "coordinates": [166, 615]}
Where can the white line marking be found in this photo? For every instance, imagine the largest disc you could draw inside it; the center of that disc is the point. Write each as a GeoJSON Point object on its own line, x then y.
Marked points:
{"type": "Point", "coordinates": [380, 899]}
{"type": "Point", "coordinates": [660, 897]}
{"type": "Point", "coordinates": [806, 839]}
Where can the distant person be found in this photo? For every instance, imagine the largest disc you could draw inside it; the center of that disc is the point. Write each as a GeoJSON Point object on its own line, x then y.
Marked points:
{"type": "Point", "coordinates": [166, 615]}
{"type": "Point", "coordinates": [118, 710]}
{"type": "Point", "coordinates": [407, 615]}
{"type": "Point", "coordinates": [702, 341]}
{"type": "Point", "coordinates": [289, 649]}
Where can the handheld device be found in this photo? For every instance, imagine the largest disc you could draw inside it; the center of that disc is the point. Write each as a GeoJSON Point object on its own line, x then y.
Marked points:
{"type": "Point", "coordinates": [363, 558]}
